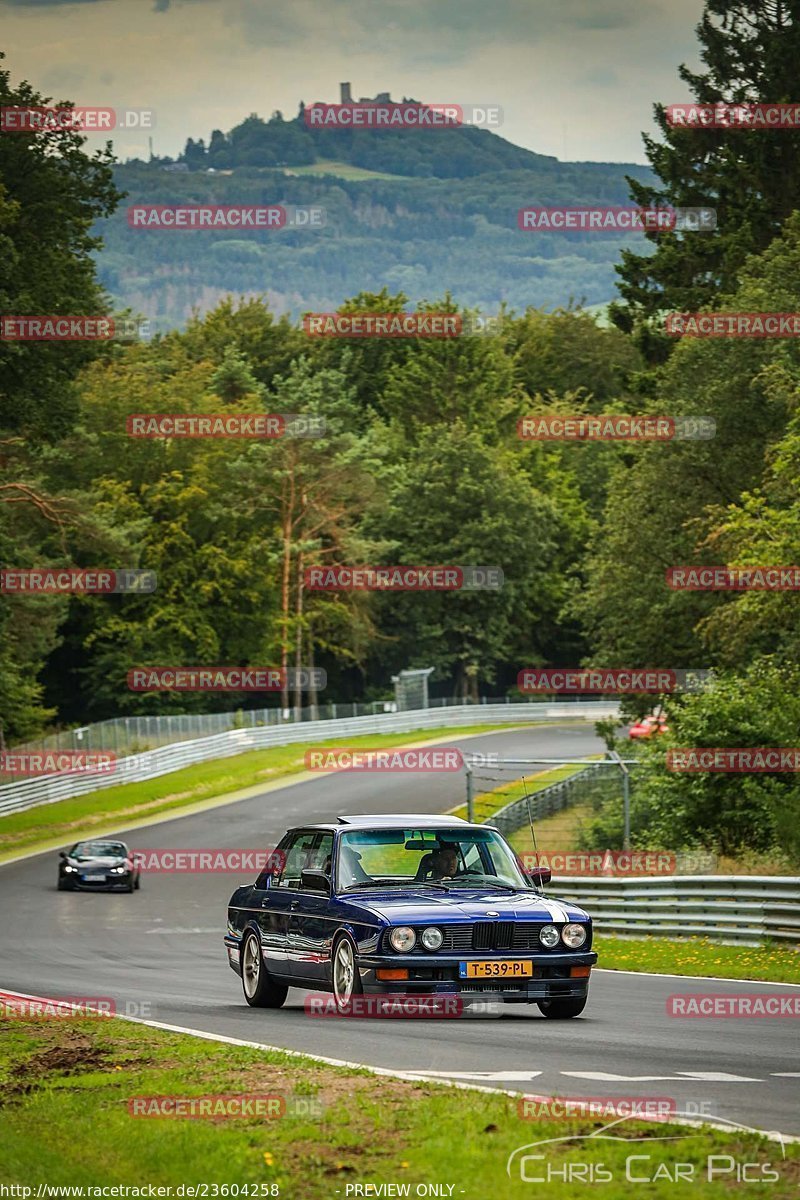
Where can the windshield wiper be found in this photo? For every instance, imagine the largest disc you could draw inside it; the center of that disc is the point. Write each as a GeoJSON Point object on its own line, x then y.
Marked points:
{"type": "Point", "coordinates": [368, 883]}
{"type": "Point", "coordinates": [354, 887]}
{"type": "Point", "coordinates": [506, 887]}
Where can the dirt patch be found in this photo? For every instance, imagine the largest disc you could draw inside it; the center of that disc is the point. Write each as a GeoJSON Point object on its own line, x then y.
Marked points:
{"type": "Point", "coordinates": [327, 1086]}
{"type": "Point", "coordinates": [336, 1160]}
{"type": "Point", "coordinates": [75, 1056]}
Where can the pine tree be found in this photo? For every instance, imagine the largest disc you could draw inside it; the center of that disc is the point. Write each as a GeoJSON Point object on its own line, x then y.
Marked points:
{"type": "Point", "coordinates": [751, 177]}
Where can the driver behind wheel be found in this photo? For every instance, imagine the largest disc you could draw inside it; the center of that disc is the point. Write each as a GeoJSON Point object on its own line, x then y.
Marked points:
{"type": "Point", "coordinates": [440, 864]}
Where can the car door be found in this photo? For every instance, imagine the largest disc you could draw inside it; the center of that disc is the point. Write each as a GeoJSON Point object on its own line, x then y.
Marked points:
{"type": "Point", "coordinates": [273, 896]}
{"type": "Point", "coordinates": [311, 926]}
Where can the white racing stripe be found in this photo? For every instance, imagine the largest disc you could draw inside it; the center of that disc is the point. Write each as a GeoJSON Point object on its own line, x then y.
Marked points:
{"type": "Point", "coordinates": [555, 910]}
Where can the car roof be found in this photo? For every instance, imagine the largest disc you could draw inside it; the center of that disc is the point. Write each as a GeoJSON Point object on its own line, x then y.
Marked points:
{"type": "Point", "coordinates": [362, 819]}
{"type": "Point", "coordinates": [106, 841]}
{"type": "Point", "coordinates": [387, 821]}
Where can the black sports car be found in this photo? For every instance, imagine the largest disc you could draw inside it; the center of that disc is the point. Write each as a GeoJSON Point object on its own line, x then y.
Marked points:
{"type": "Point", "coordinates": [407, 904]}
{"type": "Point", "coordinates": [97, 866]}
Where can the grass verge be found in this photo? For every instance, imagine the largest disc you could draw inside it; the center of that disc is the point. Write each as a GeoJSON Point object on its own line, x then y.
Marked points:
{"type": "Point", "coordinates": [342, 170]}
{"type": "Point", "coordinates": [65, 1121]}
{"type": "Point", "coordinates": [66, 820]}
{"type": "Point", "coordinates": [698, 956]}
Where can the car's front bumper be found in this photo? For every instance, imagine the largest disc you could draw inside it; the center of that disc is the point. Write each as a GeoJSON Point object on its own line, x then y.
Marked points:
{"type": "Point", "coordinates": [554, 976]}
{"type": "Point", "coordinates": [111, 883]}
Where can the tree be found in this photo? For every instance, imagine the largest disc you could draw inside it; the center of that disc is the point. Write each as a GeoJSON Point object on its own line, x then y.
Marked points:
{"type": "Point", "coordinates": [731, 813]}
{"type": "Point", "coordinates": [567, 350]}
{"type": "Point", "coordinates": [310, 493]}
{"type": "Point", "coordinates": [234, 378]}
{"type": "Point", "coordinates": [458, 499]}
{"type": "Point", "coordinates": [752, 178]}
{"type": "Point", "coordinates": [468, 378]}
{"type": "Point", "coordinates": [51, 194]}
{"type": "Point", "coordinates": [666, 498]}
{"type": "Point", "coordinates": [761, 529]}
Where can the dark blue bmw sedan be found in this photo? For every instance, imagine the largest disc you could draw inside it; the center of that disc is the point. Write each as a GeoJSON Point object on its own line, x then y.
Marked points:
{"type": "Point", "coordinates": [417, 905]}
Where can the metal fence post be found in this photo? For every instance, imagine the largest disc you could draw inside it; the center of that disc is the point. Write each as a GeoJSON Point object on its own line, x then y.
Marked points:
{"type": "Point", "coordinates": [626, 799]}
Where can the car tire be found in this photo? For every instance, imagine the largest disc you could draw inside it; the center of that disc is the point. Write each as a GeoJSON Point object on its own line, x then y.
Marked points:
{"type": "Point", "coordinates": [260, 991]}
{"type": "Point", "coordinates": [62, 885]}
{"type": "Point", "coordinates": [562, 1010]}
{"type": "Point", "coordinates": [345, 977]}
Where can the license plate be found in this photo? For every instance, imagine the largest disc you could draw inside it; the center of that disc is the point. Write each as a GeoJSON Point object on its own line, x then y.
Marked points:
{"type": "Point", "coordinates": [501, 968]}
{"type": "Point", "coordinates": [94, 878]}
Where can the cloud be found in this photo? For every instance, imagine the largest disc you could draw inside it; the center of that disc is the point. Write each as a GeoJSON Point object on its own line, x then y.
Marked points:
{"type": "Point", "coordinates": [575, 78]}
{"type": "Point", "coordinates": [434, 35]}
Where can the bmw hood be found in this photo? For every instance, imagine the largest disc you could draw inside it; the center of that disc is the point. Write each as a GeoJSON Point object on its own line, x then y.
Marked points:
{"type": "Point", "coordinates": [466, 904]}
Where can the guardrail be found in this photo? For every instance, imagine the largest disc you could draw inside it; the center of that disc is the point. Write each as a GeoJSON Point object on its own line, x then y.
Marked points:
{"type": "Point", "coordinates": [135, 735]}
{"type": "Point", "coordinates": [29, 793]}
{"type": "Point", "coordinates": [552, 799]}
{"type": "Point", "coordinates": [747, 909]}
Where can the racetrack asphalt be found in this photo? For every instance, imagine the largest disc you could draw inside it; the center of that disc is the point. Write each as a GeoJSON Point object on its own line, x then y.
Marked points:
{"type": "Point", "coordinates": [159, 954]}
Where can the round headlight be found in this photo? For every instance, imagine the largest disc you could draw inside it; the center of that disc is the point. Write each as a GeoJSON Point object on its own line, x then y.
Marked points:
{"type": "Point", "coordinates": [549, 936]}
{"type": "Point", "coordinates": [432, 938]}
{"type": "Point", "coordinates": [402, 939]}
{"type": "Point", "coordinates": [574, 935]}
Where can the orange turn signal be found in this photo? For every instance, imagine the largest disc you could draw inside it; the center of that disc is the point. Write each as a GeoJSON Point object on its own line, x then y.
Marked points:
{"type": "Point", "coordinates": [395, 973]}
{"type": "Point", "coordinates": [580, 972]}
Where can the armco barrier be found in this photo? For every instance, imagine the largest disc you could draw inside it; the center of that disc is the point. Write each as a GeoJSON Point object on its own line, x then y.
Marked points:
{"type": "Point", "coordinates": [738, 908]}
{"type": "Point", "coordinates": [547, 801]}
{"type": "Point", "coordinates": [15, 797]}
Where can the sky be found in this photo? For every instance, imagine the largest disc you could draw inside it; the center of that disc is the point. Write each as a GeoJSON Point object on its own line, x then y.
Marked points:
{"type": "Point", "coordinates": [575, 78]}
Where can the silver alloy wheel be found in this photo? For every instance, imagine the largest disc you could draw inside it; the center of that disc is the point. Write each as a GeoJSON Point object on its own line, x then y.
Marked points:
{"type": "Point", "coordinates": [251, 965]}
{"type": "Point", "coordinates": [344, 971]}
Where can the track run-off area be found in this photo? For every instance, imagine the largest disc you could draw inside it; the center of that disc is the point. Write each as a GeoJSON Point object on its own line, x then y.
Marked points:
{"type": "Point", "coordinates": [159, 954]}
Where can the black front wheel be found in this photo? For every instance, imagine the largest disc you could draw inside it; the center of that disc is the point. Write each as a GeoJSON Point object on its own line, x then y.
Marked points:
{"type": "Point", "coordinates": [562, 1010]}
{"type": "Point", "coordinates": [260, 991]}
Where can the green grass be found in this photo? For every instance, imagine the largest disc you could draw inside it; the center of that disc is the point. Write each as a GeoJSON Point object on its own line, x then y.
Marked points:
{"type": "Point", "coordinates": [132, 802]}
{"type": "Point", "coordinates": [697, 956]}
{"type": "Point", "coordinates": [327, 166]}
{"type": "Point", "coordinates": [65, 1121]}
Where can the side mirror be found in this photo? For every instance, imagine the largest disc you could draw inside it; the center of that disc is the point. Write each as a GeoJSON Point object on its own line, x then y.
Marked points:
{"type": "Point", "coordinates": [539, 876]}
{"type": "Point", "coordinates": [62, 854]}
{"type": "Point", "coordinates": [315, 881]}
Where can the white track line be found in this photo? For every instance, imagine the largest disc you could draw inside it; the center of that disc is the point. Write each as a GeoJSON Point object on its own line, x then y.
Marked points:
{"type": "Point", "coordinates": [770, 1135]}
{"type": "Point", "coordinates": [708, 978]}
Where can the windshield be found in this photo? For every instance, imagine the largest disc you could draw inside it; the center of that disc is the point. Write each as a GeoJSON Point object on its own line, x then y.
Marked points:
{"type": "Point", "coordinates": [98, 850]}
{"type": "Point", "coordinates": [450, 858]}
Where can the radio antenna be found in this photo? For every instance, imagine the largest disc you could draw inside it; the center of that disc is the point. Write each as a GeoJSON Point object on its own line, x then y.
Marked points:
{"type": "Point", "coordinates": [530, 822]}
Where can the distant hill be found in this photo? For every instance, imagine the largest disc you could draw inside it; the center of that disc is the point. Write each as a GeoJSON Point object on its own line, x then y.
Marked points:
{"type": "Point", "coordinates": [418, 212]}
{"type": "Point", "coordinates": [452, 153]}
